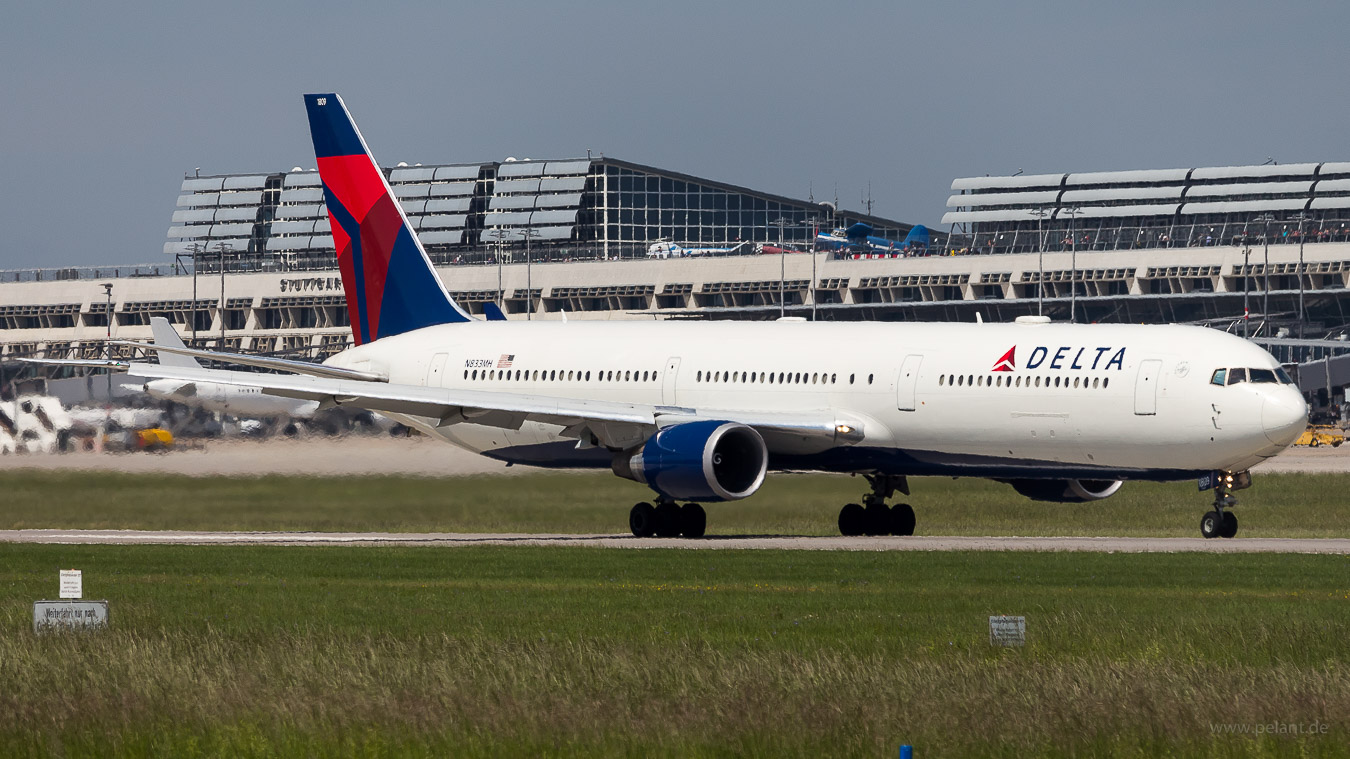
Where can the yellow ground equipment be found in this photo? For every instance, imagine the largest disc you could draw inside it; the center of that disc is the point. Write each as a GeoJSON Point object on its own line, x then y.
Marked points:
{"type": "Point", "coordinates": [1321, 434]}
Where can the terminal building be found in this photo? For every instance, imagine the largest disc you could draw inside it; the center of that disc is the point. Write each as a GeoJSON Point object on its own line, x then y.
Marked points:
{"type": "Point", "coordinates": [570, 209]}
{"type": "Point", "coordinates": [249, 264]}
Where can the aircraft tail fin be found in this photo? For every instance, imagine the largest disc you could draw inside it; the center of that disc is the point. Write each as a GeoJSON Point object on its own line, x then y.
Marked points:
{"type": "Point", "coordinates": [165, 335]}
{"type": "Point", "coordinates": [390, 284]}
{"type": "Point", "coordinates": [858, 231]}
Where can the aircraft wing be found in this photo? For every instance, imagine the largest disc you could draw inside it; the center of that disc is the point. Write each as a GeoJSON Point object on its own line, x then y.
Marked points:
{"type": "Point", "coordinates": [261, 362]}
{"type": "Point", "coordinates": [88, 363]}
{"type": "Point", "coordinates": [609, 423]}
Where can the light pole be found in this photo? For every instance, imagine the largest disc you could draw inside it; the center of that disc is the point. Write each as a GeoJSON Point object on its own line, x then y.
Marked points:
{"type": "Point", "coordinates": [196, 248]}
{"type": "Point", "coordinates": [1302, 217]}
{"type": "Point", "coordinates": [500, 236]}
{"type": "Point", "coordinates": [1265, 218]}
{"type": "Point", "coordinates": [781, 222]}
{"type": "Point", "coordinates": [1246, 282]}
{"type": "Point", "coordinates": [1040, 214]}
{"type": "Point", "coordinates": [527, 233]}
{"type": "Point", "coordinates": [809, 223]}
{"type": "Point", "coordinates": [1072, 212]}
{"type": "Point", "coordinates": [223, 248]}
{"type": "Point", "coordinates": [107, 344]}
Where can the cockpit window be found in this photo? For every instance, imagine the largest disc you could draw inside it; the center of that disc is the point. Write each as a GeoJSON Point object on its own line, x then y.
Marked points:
{"type": "Point", "coordinates": [1255, 374]}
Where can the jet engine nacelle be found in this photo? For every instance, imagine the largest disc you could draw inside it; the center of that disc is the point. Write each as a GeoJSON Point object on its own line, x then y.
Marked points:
{"type": "Point", "coordinates": [699, 461]}
{"type": "Point", "coordinates": [1066, 491]}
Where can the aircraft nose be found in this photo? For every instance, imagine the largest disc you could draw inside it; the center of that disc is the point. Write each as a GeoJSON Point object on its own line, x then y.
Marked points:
{"type": "Point", "coordinates": [1284, 416]}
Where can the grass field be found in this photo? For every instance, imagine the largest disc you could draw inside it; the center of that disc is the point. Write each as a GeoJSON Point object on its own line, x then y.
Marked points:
{"type": "Point", "coordinates": [1280, 505]}
{"type": "Point", "coordinates": [487, 651]}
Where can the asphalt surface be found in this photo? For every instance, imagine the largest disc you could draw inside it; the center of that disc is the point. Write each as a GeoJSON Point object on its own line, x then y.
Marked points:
{"type": "Point", "coordinates": [1339, 546]}
{"type": "Point", "coordinates": [410, 457]}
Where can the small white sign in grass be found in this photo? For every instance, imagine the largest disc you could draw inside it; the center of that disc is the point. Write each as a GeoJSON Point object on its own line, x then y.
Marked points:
{"type": "Point", "coordinates": [1005, 630]}
{"type": "Point", "coordinates": [72, 583]}
{"type": "Point", "coordinates": [69, 615]}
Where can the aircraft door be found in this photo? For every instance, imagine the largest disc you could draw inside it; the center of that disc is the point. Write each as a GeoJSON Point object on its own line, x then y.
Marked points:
{"type": "Point", "coordinates": [1146, 388]}
{"type": "Point", "coordinates": [436, 372]}
{"type": "Point", "coordinates": [668, 381]}
{"type": "Point", "coordinates": [908, 382]}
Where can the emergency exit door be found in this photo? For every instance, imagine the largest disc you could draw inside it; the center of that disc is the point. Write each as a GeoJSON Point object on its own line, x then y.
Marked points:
{"type": "Point", "coordinates": [1146, 388]}
{"type": "Point", "coordinates": [907, 383]}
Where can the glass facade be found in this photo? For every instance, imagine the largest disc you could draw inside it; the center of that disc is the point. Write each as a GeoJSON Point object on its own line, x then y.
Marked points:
{"type": "Point", "coordinates": [551, 210]}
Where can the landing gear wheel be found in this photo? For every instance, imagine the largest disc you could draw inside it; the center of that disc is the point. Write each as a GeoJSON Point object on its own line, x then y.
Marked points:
{"type": "Point", "coordinates": [877, 519]}
{"type": "Point", "coordinates": [693, 520]}
{"type": "Point", "coordinates": [667, 520]}
{"type": "Point", "coordinates": [1230, 525]}
{"type": "Point", "coordinates": [1211, 524]}
{"type": "Point", "coordinates": [852, 520]}
{"type": "Point", "coordinates": [642, 520]}
{"type": "Point", "coordinates": [902, 519]}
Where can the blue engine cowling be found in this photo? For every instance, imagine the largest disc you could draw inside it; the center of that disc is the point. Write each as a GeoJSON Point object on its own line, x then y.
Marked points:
{"type": "Point", "coordinates": [1066, 491]}
{"type": "Point", "coordinates": [699, 461]}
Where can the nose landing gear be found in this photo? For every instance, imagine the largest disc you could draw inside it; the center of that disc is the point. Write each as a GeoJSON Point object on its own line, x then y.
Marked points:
{"type": "Point", "coordinates": [873, 516]}
{"type": "Point", "coordinates": [1221, 523]}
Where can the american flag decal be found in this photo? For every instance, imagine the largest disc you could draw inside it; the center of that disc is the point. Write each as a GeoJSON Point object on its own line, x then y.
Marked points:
{"type": "Point", "coordinates": [505, 361]}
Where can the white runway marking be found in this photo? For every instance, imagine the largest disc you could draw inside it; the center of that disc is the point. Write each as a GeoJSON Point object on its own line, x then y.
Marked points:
{"type": "Point", "coordinates": [919, 543]}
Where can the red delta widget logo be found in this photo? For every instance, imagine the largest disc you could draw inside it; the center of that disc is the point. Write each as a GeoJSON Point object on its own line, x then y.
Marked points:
{"type": "Point", "coordinates": [1065, 357]}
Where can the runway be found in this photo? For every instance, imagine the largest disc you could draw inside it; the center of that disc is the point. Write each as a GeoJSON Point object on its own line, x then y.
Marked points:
{"type": "Point", "coordinates": [1339, 546]}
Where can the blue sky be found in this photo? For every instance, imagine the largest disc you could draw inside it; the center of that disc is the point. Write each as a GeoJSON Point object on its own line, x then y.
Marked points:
{"type": "Point", "coordinates": [105, 107]}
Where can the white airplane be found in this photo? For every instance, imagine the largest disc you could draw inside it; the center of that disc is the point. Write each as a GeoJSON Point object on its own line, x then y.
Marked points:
{"type": "Point", "coordinates": [700, 412]}
{"type": "Point", "coordinates": [237, 400]}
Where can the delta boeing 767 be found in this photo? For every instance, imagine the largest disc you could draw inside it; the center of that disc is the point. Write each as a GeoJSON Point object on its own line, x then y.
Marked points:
{"type": "Point", "coordinates": [701, 411]}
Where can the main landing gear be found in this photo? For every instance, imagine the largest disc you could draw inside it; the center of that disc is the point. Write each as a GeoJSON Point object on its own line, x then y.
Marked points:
{"type": "Point", "coordinates": [667, 519]}
{"type": "Point", "coordinates": [1220, 523]}
{"type": "Point", "coordinates": [874, 517]}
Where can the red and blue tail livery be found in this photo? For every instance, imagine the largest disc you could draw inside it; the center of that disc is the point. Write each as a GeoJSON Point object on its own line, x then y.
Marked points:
{"type": "Point", "coordinates": [390, 284]}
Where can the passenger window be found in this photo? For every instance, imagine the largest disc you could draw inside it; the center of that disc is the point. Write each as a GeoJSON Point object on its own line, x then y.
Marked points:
{"type": "Point", "coordinates": [1218, 377]}
{"type": "Point", "coordinates": [1262, 375]}
{"type": "Point", "coordinates": [1237, 375]}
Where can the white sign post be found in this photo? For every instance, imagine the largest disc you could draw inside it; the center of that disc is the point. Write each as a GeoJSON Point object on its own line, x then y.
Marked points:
{"type": "Point", "coordinates": [71, 612]}
{"type": "Point", "coordinates": [72, 583]}
{"type": "Point", "coordinates": [1007, 631]}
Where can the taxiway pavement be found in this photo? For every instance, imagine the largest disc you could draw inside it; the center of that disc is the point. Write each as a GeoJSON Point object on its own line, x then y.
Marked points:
{"type": "Point", "coordinates": [1339, 546]}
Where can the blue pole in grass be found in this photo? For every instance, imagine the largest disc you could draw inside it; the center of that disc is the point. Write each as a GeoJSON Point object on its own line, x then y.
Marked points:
{"type": "Point", "coordinates": [906, 752]}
